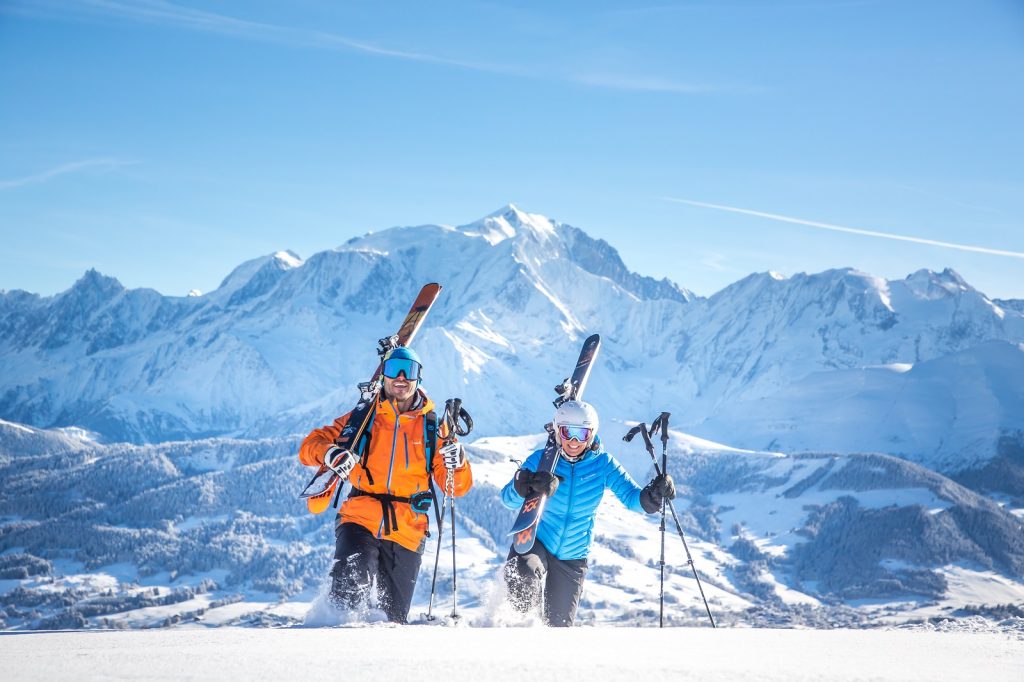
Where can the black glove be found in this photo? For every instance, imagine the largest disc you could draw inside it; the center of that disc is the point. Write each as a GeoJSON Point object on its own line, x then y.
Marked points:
{"type": "Point", "coordinates": [660, 489]}
{"type": "Point", "coordinates": [527, 482]}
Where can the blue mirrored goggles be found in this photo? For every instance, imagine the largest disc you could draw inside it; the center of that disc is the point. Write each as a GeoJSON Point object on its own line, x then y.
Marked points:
{"type": "Point", "coordinates": [422, 502]}
{"type": "Point", "coordinates": [396, 366]}
{"type": "Point", "coordinates": [578, 433]}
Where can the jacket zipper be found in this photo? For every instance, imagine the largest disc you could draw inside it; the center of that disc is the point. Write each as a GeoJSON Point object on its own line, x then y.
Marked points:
{"type": "Point", "coordinates": [568, 510]}
{"type": "Point", "coordinates": [391, 465]}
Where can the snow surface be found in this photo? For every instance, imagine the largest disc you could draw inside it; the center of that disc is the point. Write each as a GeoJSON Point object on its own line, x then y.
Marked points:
{"type": "Point", "coordinates": [457, 654]}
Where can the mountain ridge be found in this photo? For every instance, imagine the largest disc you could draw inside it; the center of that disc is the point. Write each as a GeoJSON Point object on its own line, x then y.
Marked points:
{"type": "Point", "coordinates": [279, 346]}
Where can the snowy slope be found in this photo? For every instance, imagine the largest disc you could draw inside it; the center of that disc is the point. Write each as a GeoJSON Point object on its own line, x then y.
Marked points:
{"type": "Point", "coordinates": [583, 654]}
{"type": "Point", "coordinates": [950, 414]}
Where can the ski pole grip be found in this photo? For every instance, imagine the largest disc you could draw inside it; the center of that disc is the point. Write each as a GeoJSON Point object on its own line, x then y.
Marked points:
{"type": "Point", "coordinates": [647, 440]}
{"type": "Point", "coordinates": [663, 422]}
{"type": "Point", "coordinates": [632, 432]}
{"type": "Point", "coordinates": [641, 428]}
{"type": "Point", "coordinates": [456, 418]}
{"type": "Point", "coordinates": [467, 422]}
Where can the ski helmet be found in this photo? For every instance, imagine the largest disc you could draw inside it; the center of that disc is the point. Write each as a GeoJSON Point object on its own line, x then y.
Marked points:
{"type": "Point", "coordinates": [575, 419]}
{"type": "Point", "coordinates": [402, 359]}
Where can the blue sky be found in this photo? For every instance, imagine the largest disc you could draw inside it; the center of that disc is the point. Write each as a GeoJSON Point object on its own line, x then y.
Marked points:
{"type": "Point", "coordinates": [164, 143]}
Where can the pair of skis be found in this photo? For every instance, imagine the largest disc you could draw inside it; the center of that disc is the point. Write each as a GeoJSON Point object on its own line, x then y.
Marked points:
{"type": "Point", "coordinates": [325, 482]}
{"type": "Point", "coordinates": [524, 530]}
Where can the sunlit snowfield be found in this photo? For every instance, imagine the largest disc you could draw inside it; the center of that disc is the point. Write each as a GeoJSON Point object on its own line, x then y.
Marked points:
{"type": "Point", "coordinates": [462, 653]}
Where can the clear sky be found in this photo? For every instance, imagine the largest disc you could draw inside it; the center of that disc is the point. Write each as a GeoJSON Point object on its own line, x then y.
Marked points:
{"type": "Point", "coordinates": [164, 143]}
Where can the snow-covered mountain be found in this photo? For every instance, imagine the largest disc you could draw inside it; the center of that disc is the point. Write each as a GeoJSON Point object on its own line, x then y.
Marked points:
{"type": "Point", "coordinates": [952, 413]}
{"type": "Point", "coordinates": [147, 443]}
{"type": "Point", "coordinates": [922, 368]}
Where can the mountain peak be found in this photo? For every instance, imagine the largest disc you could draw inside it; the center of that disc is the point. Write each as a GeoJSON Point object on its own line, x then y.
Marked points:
{"type": "Point", "coordinates": [287, 259]}
{"type": "Point", "coordinates": [929, 284]}
{"type": "Point", "coordinates": [97, 285]}
{"type": "Point", "coordinates": [509, 221]}
{"type": "Point", "coordinates": [255, 277]}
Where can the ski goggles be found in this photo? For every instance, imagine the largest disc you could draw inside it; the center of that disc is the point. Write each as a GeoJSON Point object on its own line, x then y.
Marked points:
{"type": "Point", "coordinates": [396, 366]}
{"type": "Point", "coordinates": [421, 502]}
{"type": "Point", "coordinates": [578, 433]}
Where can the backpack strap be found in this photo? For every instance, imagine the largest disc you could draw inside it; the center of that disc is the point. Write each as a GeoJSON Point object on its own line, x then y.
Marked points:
{"type": "Point", "coordinates": [430, 446]}
{"type": "Point", "coordinates": [362, 449]}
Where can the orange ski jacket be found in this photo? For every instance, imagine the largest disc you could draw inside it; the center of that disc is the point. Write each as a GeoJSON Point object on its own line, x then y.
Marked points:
{"type": "Point", "coordinates": [396, 463]}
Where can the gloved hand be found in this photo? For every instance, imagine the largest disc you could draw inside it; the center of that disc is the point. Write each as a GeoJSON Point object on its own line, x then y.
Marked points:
{"type": "Point", "coordinates": [454, 455]}
{"type": "Point", "coordinates": [339, 461]}
{"type": "Point", "coordinates": [660, 489]}
{"type": "Point", "coordinates": [527, 482]}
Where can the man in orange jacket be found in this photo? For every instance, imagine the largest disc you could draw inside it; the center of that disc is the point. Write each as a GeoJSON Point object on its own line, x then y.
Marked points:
{"type": "Point", "coordinates": [382, 526]}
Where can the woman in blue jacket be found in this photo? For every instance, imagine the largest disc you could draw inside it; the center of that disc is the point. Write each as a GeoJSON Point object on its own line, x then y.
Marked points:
{"type": "Point", "coordinates": [557, 564]}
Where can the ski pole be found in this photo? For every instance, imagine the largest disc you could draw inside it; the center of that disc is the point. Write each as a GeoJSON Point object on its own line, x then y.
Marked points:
{"type": "Point", "coordinates": [662, 423]}
{"type": "Point", "coordinates": [450, 490]}
{"type": "Point", "coordinates": [641, 428]}
{"type": "Point", "coordinates": [454, 413]}
{"type": "Point", "coordinates": [437, 558]}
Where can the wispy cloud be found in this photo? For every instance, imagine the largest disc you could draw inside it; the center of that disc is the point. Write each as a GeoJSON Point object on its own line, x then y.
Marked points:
{"type": "Point", "coordinates": [178, 16]}
{"type": "Point", "coordinates": [946, 198]}
{"type": "Point", "coordinates": [850, 230]}
{"type": "Point", "coordinates": [720, 6]}
{"type": "Point", "coordinates": [715, 261]}
{"type": "Point", "coordinates": [640, 83]}
{"type": "Point", "coordinates": [170, 14]}
{"type": "Point", "coordinates": [63, 169]}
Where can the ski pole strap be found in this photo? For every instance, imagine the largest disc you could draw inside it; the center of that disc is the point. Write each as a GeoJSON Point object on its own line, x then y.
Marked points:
{"type": "Point", "coordinates": [362, 449]}
{"type": "Point", "coordinates": [387, 507]}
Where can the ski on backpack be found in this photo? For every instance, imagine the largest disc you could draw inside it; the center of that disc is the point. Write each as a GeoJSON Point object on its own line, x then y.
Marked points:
{"type": "Point", "coordinates": [325, 481]}
{"type": "Point", "coordinates": [524, 530]}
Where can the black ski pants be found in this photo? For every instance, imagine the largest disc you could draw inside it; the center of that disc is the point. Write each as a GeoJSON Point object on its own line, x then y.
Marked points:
{"type": "Point", "coordinates": [360, 557]}
{"type": "Point", "coordinates": [560, 580]}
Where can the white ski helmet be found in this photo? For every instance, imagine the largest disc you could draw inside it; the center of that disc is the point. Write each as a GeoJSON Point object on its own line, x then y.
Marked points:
{"type": "Point", "coordinates": [576, 413]}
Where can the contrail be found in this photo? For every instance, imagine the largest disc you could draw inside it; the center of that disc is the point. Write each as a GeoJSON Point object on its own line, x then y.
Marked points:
{"type": "Point", "coordinates": [850, 230]}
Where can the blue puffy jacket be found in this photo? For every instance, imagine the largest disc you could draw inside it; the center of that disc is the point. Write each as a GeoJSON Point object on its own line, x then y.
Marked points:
{"type": "Point", "coordinates": [567, 526]}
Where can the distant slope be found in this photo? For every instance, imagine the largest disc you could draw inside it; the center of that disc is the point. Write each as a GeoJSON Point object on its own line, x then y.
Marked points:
{"type": "Point", "coordinates": [134, 536]}
{"type": "Point", "coordinates": [950, 414]}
